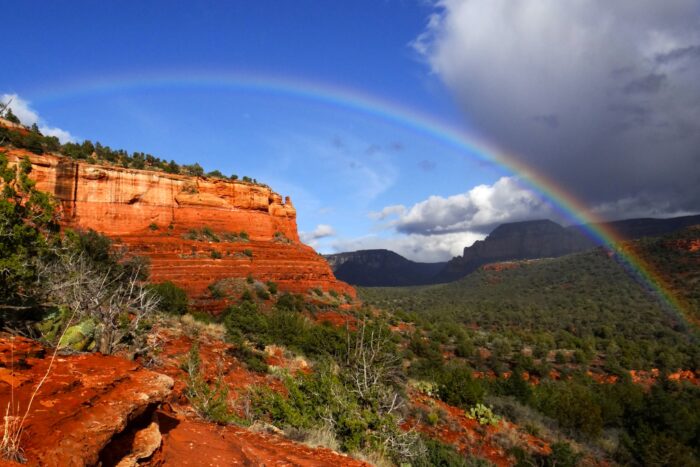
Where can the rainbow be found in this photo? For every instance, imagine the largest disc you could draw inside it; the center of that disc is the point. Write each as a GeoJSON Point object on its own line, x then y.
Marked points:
{"type": "Point", "coordinates": [358, 101]}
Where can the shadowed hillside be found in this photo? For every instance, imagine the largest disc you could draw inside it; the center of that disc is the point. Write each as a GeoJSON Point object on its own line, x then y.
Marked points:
{"type": "Point", "coordinates": [372, 268]}
{"type": "Point", "coordinates": [507, 242]}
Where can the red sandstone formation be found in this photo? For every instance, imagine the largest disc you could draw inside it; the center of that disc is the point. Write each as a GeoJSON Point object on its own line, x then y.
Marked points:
{"type": "Point", "coordinates": [85, 401]}
{"type": "Point", "coordinates": [152, 213]}
{"type": "Point", "coordinates": [194, 443]}
{"type": "Point", "coordinates": [100, 410]}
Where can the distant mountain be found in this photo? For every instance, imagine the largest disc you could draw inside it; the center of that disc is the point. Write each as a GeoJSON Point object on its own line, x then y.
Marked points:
{"type": "Point", "coordinates": [376, 268]}
{"type": "Point", "coordinates": [551, 294]}
{"type": "Point", "coordinates": [513, 241]}
{"type": "Point", "coordinates": [647, 227]}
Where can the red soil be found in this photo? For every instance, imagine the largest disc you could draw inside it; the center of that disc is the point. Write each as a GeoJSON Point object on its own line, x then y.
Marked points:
{"type": "Point", "coordinates": [85, 400]}
{"type": "Point", "coordinates": [470, 438]}
{"type": "Point", "coordinates": [196, 443]}
{"type": "Point", "coordinates": [339, 320]}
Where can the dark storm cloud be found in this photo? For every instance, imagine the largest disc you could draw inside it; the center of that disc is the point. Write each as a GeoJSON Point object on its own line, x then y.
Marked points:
{"type": "Point", "coordinates": [602, 97]}
{"type": "Point", "coordinates": [551, 121]}
{"type": "Point", "coordinates": [691, 52]}
{"type": "Point", "coordinates": [648, 84]}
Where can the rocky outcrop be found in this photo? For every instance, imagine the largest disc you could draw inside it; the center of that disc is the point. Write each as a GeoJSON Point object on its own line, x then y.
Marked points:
{"type": "Point", "coordinates": [120, 201]}
{"type": "Point", "coordinates": [249, 228]}
{"type": "Point", "coordinates": [547, 239]}
{"type": "Point", "coordinates": [381, 268]}
{"type": "Point", "coordinates": [84, 402]}
{"type": "Point", "coordinates": [191, 442]}
{"type": "Point", "coordinates": [516, 241]}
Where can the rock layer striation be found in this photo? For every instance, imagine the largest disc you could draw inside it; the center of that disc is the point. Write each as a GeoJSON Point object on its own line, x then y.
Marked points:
{"type": "Point", "coordinates": [196, 231]}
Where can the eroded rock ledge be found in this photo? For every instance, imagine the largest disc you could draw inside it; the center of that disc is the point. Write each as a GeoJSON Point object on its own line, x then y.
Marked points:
{"type": "Point", "coordinates": [85, 401]}
{"type": "Point", "coordinates": [153, 213]}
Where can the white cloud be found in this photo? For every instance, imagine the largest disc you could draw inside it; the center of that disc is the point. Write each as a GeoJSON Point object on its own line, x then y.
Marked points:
{"type": "Point", "coordinates": [438, 228]}
{"type": "Point", "coordinates": [321, 231]}
{"type": "Point", "coordinates": [62, 135]}
{"type": "Point", "coordinates": [478, 210]}
{"type": "Point", "coordinates": [28, 116]}
{"type": "Point", "coordinates": [602, 97]}
{"type": "Point", "coordinates": [388, 211]}
{"type": "Point", "coordinates": [423, 248]}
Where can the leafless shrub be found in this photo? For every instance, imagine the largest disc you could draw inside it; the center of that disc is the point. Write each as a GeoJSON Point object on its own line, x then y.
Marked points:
{"type": "Point", "coordinates": [114, 299]}
{"type": "Point", "coordinates": [374, 369]}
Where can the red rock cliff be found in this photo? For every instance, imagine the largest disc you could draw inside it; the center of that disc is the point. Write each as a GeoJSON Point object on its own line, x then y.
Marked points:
{"type": "Point", "coordinates": [154, 213]}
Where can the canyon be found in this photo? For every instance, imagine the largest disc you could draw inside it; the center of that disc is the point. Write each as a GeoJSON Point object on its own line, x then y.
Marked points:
{"type": "Point", "coordinates": [195, 231]}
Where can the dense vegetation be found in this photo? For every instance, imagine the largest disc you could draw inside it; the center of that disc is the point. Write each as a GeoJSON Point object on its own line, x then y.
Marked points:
{"type": "Point", "coordinates": [557, 320]}
{"type": "Point", "coordinates": [581, 308]}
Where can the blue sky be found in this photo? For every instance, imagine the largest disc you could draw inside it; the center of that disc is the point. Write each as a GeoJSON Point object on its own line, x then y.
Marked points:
{"type": "Point", "coordinates": [129, 74]}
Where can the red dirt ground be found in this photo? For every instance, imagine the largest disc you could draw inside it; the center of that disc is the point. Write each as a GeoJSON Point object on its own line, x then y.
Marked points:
{"type": "Point", "coordinates": [468, 436]}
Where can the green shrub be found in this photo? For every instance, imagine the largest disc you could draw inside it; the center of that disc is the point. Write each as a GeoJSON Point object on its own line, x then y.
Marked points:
{"type": "Point", "coordinates": [210, 402]}
{"type": "Point", "coordinates": [457, 386]}
{"type": "Point", "coordinates": [441, 455]}
{"type": "Point", "coordinates": [262, 293]}
{"type": "Point", "coordinates": [153, 226]}
{"type": "Point", "coordinates": [563, 455]}
{"type": "Point", "coordinates": [290, 302]}
{"type": "Point", "coordinates": [573, 404]}
{"type": "Point", "coordinates": [326, 394]}
{"type": "Point", "coordinates": [172, 298]}
{"type": "Point", "coordinates": [252, 359]}
{"type": "Point", "coordinates": [247, 319]}
{"type": "Point", "coordinates": [272, 287]}
{"type": "Point", "coordinates": [209, 234]}
{"type": "Point", "coordinates": [483, 414]}
{"type": "Point", "coordinates": [215, 254]}
{"type": "Point", "coordinates": [216, 291]}
{"type": "Point", "coordinates": [248, 252]}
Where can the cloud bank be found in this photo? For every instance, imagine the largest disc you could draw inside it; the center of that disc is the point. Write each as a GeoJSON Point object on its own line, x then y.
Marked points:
{"type": "Point", "coordinates": [603, 97]}
{"type": "Point", "coordinates": [438, 228]}
{"type": "Point", "coordinates": [414, 246]}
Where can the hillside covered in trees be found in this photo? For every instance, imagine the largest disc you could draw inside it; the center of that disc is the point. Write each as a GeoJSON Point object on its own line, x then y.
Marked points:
{"type": "Point", "coordinates": [597, 348]}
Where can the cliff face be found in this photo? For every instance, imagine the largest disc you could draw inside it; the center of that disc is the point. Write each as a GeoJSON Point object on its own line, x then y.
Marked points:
{"type": "Point", "coordinates": [515, 241]}
{"type": "Point", "coordinates": [381, 268]}
{"type": "Point", "coordinates": [163, 216]}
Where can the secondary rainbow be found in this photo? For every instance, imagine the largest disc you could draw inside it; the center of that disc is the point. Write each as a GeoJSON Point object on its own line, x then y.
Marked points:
{"type": "Point", "coordinates": [355, 100]}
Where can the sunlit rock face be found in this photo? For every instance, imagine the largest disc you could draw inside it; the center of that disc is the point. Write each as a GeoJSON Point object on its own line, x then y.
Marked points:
{"type": "Point", "coordinates": [155, 214]}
